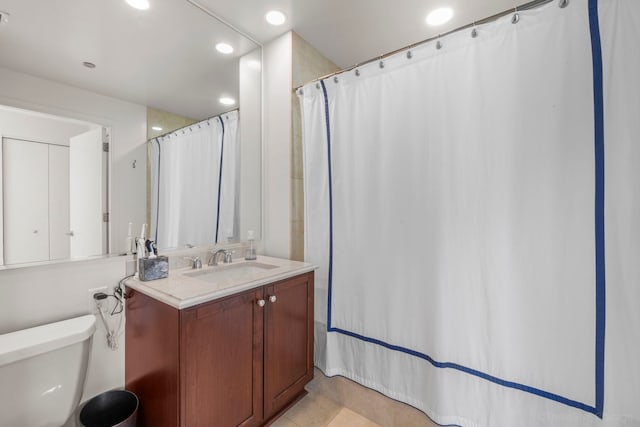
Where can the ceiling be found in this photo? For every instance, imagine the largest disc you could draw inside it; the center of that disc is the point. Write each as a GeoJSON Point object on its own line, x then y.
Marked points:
{"type": "Point", "coordinates": [352, 31]}
{"type": "Point", "coordinates": [164, 57]}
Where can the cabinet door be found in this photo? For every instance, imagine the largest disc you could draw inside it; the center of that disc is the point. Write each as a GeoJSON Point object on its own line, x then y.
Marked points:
{"type": "Point", "coordinates": [59, 235]}
{"type": "Point", "coordinates": [221, 362]}
{"type": "Point", "coordinates": [152, 356]}
{"type": "Point", "coordinates": [288, 346]}
{"type": "Point", "coordinates": [26, 201]}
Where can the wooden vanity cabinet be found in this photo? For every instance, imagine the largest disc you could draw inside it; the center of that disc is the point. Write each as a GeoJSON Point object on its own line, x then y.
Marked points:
{"type": "Point", "coordinates": [288, 342]}
{"type": "Point", "coordinates": [221, 351]}
{"type": "Point", "coordinates": [230, 362]}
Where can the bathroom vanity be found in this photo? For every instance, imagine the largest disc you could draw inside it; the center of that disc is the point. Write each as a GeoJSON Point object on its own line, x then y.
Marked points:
{"type": "Point", "coordinates": [228, 345]}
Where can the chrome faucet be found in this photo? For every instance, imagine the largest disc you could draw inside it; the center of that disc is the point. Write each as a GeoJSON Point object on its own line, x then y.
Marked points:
{"type": "Point", "coordinates": [213, 259]}
{"type": "Point", "coordinates": [195, 260]}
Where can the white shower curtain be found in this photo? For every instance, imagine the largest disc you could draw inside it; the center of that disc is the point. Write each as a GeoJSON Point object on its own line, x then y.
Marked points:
{"type": "Point", "coordinates": [455, 202]}
{"type": "Point", "coordinates": [194, 184]}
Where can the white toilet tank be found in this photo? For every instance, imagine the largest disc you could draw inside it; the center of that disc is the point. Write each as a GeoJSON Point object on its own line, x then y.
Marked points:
{"type": "Point", "coordinates": [42, 372]}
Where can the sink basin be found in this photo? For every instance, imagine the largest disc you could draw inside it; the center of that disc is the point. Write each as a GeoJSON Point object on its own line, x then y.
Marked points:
{"type": "Point", "coordinates": [230, 272]}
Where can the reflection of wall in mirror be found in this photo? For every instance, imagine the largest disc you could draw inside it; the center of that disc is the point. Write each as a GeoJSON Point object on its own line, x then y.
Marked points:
{"type": "Point", "coordinates": [166, 121]}
{"type": "Point", "coordinates": [250, 140]}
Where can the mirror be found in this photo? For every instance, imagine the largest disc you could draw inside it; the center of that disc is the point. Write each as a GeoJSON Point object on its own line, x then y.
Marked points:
{"type": "Point", "coordinates": [163, 60]}
{"type": "Point", "coordinates": [54, 187]}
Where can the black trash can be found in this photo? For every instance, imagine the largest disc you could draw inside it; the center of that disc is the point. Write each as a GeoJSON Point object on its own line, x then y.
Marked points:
{"type": "Point", "coordinates": [115, 408]}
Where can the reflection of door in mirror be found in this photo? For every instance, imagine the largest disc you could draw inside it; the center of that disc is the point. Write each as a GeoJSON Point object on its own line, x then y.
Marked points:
{"type": "Point", "coordinates": [53, 188]}
{"type": "Point", "coordinates": [86, 201]}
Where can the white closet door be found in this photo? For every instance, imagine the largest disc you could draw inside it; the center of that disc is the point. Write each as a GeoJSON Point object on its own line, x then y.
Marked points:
{"type": "Point", "coordinates": [86, 193]}
{"type": "Point", "coordinates": [26, 201]}
{"type": "Point", "coordinates": [59, 231]}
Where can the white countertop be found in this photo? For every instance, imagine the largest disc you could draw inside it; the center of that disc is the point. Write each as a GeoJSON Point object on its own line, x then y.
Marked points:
{"type": "Point", "coordinates": [181, 291]}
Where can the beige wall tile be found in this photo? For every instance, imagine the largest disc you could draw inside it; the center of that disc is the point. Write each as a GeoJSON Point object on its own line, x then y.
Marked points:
{"type": "Point", "coordinates": [297, 240]}
{"type": "Point", "coordinates": [297, 169]}
{"type": "Point", "coordinates": [298, 200]}
{"type": "Point", "coordinates": [167, 121]}
{"type": "Point", "coordinates": [307, 64]}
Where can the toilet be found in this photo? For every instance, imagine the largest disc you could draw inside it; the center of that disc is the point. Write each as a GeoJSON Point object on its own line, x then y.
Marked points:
{"type": "Point", "coordinates": [42, 372]}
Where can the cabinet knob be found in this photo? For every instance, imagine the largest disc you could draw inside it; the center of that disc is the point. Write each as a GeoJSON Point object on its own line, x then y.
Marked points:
{"type": "Point", "coordinates": [261, 302]}
{"type": "Point", "coordinates": [35, 231]}
{"type": "Point", "coordinates": [272, 298]}
{"type": "Point", "coordinates": [71, 233]}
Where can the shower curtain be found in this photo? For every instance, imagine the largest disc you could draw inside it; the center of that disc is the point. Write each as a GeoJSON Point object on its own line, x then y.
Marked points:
{"type": "Point", "coordinates": [457, 200]}
{"type": "Point", "coordinates": [194, 182]}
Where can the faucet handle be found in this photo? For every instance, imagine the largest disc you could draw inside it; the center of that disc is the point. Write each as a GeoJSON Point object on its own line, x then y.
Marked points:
{"type": "Point", "coordinates": [228, 258]}
{"type": "Point", "coordinates": [197, 263]}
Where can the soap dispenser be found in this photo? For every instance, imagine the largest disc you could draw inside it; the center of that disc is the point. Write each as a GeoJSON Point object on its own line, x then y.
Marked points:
{"type": "Point", "coordinates": [250, 255]}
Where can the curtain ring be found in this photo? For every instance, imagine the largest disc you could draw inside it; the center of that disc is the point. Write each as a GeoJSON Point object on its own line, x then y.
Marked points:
{"type": "Point", "coordinates": [474, 31]}
{"type": "Point", "coordinates": [409, 54]}
{"type": "Point", "coordinates": [438, 45]}
{"type": "Point", "coordinates": [300, 92]}
{"type": "Point", "coordinates": [357, 72]}
{"type": "Point", "coordinates": [381, 64]}
{"type": "Point", "coordinates": [516, 16]}
{"type": "Point", "coordinates": [563, 3]}
{"type": "Point", "coordinates": [335, 79]}
{"type": "Point", "coordinates": [318, 86]}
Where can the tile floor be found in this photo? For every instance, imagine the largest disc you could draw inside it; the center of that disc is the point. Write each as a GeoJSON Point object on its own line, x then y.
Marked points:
{"type": "Point", "coordinates": [318, 411]}
{"type": "Point", "coordinates": [339, 402]}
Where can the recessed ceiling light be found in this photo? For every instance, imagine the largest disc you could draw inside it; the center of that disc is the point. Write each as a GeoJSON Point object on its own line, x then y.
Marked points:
{"type": "Point", "coordinates": [156, 128]}
{"type": "Point", "coordinates": [139, 4]}
{"type": "Point", "coordinates": [89, 64]}
{"type": "Point", "coordinates": [440, 16]}
{"type": "Point", "coordinates": [275, 17]}
{"type": "Point", "coordinates": [227, 101]}
{"type": "Point", "coordinates": [224, 48]}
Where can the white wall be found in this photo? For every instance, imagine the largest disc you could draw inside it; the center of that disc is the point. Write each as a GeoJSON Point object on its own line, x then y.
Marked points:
{"type": "Point", "coordinates": [128, 123]}
{"type": "Point", "coordinates": [38, 127]}
{"type": "Point", "coordinates": [42, 294]}
{"type": "Point", "coordinates": [277, 146]}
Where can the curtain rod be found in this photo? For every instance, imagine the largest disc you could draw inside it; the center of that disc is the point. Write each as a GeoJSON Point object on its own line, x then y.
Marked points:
{"type": "Point", "coordinates": [192, 124]}
{"type": "Point", "coordinates": [527, 6]}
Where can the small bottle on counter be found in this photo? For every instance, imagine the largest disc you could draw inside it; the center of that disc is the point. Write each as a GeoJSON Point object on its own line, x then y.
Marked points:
{"type": "Point", "coordinates": [250, 255]}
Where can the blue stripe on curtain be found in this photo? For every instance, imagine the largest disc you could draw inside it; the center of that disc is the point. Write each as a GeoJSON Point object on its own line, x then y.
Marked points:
{"type": "Point", "coordinates": [155, 236]}
{"type": "Point", "coordinates": [220, 179]}
{"type": "Point", "coordinates": [596, 409]}
{"type": "Point", "coordinates": [598, 113]}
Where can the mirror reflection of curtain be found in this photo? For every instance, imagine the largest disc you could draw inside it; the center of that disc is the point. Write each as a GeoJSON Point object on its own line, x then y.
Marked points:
{"type": "Point", "coordinates": [193, 182]}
